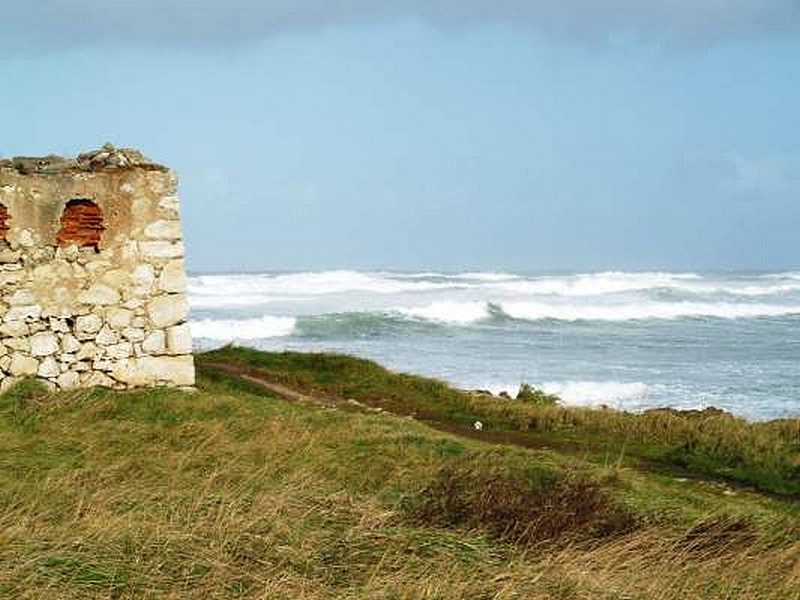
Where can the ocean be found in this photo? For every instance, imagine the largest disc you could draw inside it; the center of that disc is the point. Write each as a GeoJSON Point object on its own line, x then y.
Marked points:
{"type": "Point", "coordinates": [629, 340]}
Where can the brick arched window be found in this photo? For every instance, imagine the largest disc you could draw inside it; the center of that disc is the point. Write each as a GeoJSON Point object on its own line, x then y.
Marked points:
{"type": "Point", "coordinates": [81, 224]}
{"type": "Point", "coordinates": [4, 220]}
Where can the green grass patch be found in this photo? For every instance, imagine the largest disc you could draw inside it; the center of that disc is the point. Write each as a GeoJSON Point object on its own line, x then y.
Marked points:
{"type": "Point", "coordinates": [707, 443]}
{"type": "Point", "coordinates": [231, 492]}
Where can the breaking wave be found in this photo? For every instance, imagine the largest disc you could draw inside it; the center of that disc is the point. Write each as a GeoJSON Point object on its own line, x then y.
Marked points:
{"type": "Point", "coordinates": [211, 291]}
{"type": "Point", "coordinates": [456, 313]}
{"type": "Point", "coordinates": [624, 339]}
{"type": "Point", "coordinates": [616, 394]}
{"type": "Point", "coordinates": [243, 329]}
{"type": "Point", "coordinates": [337, 302]}
{"type": "Point", "coordinates": [350, 287]}
{"type": "Point", "coordinates": [466, 313]}
{"type": "Point", "coordinates": [596, 393]}
{"type": "Point", "coordinates": [534, 311]}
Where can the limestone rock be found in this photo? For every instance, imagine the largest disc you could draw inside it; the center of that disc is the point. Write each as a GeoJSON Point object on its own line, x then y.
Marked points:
{"type": "Point", "coordinates": [87, 352]}
{"type": "Point", "coordinates": [8, 256]}
{"type": "Point", "coordinates": [49, 368]}
{"type": "Point", "coordinates": [22, 313]}
{"type": "Point", "coordinates": [176, 370]}
{"type": "Point", "coordinates": [91, 378]}
{"type": "Point", "coordinates": [87, 326]}
{"type": "Point", "coordinates": [155, 343]}
{"type": "Point", "coordinates": [99, 294]}
{"type": "Point", "coordinates": [111, 157]}
{"type": "Point", "coordinates": [68, 380]}
{"type": "Point", "coordinates": [143, 276]}
{"type": "Point", "coordinates": [134, 334]}
{"type": "Point", "coordinates": [59, 325]}
{"type": "Point", "coordinates": [119, 318]}
{"type": "Point", "coordinates": [106, 337]}
{"type": "Point", "coordinates": [19, 343]}
{"type": "Point", "coordinates": [162, 249]}
{"type": "Point", "coordinates": [167, 310]}
{"type": "Point", "coordinates": [21, 298]}
{"type": "Point", "coordinates": [120, 351]}
{"type": "Point", "coordinates": [173, 277]}
{"type": "Point", "coordinates": [22, 365]}
{"type": "Point", "coordinates": [44, 344]}
{"type": "Point", "coordinates": [14, 329]}
{"type": "Point", "coordinates": [163, 230]}
{"type": "Point", "coordinates": [70, 344]}
{"type": "Point", "coordinates": [179, 339]}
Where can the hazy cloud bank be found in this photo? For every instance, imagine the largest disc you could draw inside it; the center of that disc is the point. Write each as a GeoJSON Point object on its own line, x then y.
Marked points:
{"type": "Point", "coordinates": [208, 23]}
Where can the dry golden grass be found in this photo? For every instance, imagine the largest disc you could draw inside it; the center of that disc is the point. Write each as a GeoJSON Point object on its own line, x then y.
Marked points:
{"type": "Point", "coordinates": [226, 494]}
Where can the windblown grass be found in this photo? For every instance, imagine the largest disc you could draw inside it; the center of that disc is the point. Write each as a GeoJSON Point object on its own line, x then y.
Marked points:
{"type": "Point", "coordinates": [224, 493]}
{"type": "Point", "coordinates": [708, 443]}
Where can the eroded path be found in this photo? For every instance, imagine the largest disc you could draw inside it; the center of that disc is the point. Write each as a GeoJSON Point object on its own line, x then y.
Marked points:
{"type": "Point", "coordinates": [264, 379]}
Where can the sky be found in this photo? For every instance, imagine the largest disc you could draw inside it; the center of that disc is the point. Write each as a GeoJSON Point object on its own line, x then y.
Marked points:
{"type": "Point", "coordinates": [434, 134]}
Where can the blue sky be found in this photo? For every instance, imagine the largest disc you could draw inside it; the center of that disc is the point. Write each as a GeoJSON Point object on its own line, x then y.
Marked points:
{"type": "Point", "coordinates": [436, 135]}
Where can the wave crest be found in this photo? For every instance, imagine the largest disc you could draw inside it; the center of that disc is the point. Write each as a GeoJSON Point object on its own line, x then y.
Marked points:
{"type": "Point", "coordinates": [465, 313]}
{"type": "Point", "coordinates": [228, 330]}
{"type": "Point", "coordinates": [617, 394]}
{"type": "Point", "coordinates": [534, 311]}
{"type": "Point", "coordinates": [455, 313]}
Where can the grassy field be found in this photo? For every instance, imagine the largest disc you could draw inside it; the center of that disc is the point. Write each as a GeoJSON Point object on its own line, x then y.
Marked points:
{"type": "Point", "coordinates": [232, 492]}
{"type": "Point", "coordinates": [710, 443]}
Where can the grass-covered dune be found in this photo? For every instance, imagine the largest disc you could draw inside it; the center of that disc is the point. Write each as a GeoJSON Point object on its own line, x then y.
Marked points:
{"type": "Point", "coordinates": [234, 492]}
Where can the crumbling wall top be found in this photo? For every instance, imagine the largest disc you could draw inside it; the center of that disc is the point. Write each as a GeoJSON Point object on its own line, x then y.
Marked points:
{"type": "Point", "coordinates": [106, 158]}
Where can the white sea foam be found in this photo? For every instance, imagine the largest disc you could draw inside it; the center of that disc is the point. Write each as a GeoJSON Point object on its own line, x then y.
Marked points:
{"type": "Point", "coordinates": [614, 282]}
{"type": "Point", "coordinates": [585, 393]}
{"type": "Point", "coordinates": [598, 284]}
{"type": "Point", "coordinates": [243, 329]}
{"type": "Point", "coordinates": [455, 313]}
{"type": "Point", "coordinates": [523, 297]}
{"type": "Point", "coordinates": [420, 275]}
{"type": "Point", "coordinates": [231, 299]}
{"type": "Point", "coordinates": [487, 276]}
{"type": "Point", "coordinates": [794, 275]}
{"type": "Point", "coordinates": [765, 290]}
{"type": "Point", "coordinates": [533, 311]}
{"type": "Point", "coordinates": [208, 291]}
{"type": "Point", "coordinates": [467, 312]}
{"type": "Point", "coordinates": [596, 393]}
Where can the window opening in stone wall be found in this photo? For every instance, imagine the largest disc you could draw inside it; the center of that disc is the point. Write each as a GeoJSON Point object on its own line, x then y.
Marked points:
{"type": "Point", "coordinates": [81, 224]}
{"type": "Point", "coordinates": [4, 220]}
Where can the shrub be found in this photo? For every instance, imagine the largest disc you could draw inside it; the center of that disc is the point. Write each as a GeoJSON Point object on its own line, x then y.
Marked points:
{"type": "Point", "coordinates": [518, 500]}
{"type": "Point", "coordinates": [535, 396]}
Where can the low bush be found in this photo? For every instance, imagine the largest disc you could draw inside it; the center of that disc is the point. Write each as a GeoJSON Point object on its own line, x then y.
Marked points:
{"type": "Point", "coordinates": [519, 500]}
{"type": "Point", "coordinates": [535, 396]}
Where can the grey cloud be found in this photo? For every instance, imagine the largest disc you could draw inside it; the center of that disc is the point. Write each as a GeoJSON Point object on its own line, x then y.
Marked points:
{"type": "Point", "coordinates": [52, 23]}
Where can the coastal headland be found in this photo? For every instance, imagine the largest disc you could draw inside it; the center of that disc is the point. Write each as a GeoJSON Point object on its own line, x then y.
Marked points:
{"type": "Point", "coordinates": [289, 475]}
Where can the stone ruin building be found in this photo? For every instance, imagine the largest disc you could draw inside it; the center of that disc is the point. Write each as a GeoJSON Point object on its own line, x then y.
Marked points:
{"type": "Point", "coordinates": [92, 276]}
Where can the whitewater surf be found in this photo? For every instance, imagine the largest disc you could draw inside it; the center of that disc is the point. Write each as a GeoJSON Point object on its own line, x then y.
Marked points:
{"type": "Point", "coordinates": [625, 339]}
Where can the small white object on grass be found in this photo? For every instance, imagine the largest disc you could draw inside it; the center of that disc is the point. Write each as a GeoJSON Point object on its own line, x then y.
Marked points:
{"type": "Point", "coordinates": [478, 425]}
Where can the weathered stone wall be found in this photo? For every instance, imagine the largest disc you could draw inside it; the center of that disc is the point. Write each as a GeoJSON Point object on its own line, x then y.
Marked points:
{"type": "Point", "coordinates": [77, 311]}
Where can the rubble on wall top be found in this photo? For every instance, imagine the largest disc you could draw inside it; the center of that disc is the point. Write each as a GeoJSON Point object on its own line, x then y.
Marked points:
{"type": "Point", "coordinates": [107, 157]}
